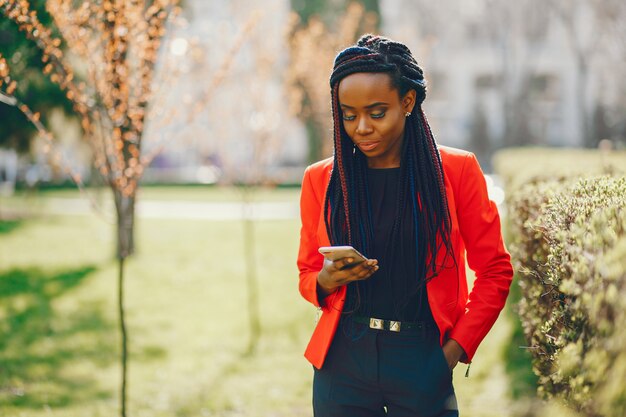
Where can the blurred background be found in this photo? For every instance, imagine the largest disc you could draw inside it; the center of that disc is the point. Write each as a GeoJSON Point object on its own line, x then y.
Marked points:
{"type": "Point", "coordinates": [499, 75]}
{"type": "Point", "coordinates": [237, 105]}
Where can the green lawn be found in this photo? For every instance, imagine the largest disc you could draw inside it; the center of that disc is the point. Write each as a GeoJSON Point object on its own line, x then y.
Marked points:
{"type": "Point", "coordinates": [186, 305]}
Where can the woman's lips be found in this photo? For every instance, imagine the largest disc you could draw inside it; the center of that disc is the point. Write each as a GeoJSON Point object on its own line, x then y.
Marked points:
{"type": "Point", "coordinates": [367, 146]}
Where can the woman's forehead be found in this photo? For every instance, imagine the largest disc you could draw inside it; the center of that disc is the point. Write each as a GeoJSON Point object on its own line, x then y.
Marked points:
{"type": "Point", "coordinates": [363, 88]}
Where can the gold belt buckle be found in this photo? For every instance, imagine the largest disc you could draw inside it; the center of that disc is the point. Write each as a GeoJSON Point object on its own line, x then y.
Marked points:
{"type": "Point", "coordinates": [394, 326]}
{"type": "Point", "coordinates": [376, 324]}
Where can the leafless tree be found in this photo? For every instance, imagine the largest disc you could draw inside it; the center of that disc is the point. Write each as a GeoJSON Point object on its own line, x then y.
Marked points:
{"type": "Point", "coordinates": [108, 73]}
{"type": "Point", "coordinates": [259, 130]}
{"type": "Point", "coordinates": [117, 43]}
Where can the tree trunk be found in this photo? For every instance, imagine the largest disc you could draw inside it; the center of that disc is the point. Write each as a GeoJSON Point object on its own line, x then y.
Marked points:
{"type": "Point", "coordinates": [252, 280]}
{"type": "Point", "coordinates": [120, 300]}
{"type": "Point", "coordinates": [315, 141]}
{"type": "Point", "coordinates": [125, 207]}
{"type": "Point", "coordinates": [588, 140]}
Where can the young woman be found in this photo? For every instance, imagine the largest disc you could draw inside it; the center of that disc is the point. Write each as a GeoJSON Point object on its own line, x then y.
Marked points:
{"type": "Point", "coordinates": [392, 328]}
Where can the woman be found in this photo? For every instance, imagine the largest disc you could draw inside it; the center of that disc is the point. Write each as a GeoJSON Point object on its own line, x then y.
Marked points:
{"type": "Point", "coordinates": [392, 328]}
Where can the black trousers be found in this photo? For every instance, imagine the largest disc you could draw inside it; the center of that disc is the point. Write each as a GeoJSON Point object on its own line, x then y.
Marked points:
{"type": "Point", "coordinates": [383, 373]}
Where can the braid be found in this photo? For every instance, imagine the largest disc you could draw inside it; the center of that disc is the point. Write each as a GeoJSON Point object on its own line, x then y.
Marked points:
{"type": "Point", "coordinates": [338, 174]}
{"type": "Point", "coordinates": [438, 166]}
{"type": "Point", "coordinates": [422, 187]}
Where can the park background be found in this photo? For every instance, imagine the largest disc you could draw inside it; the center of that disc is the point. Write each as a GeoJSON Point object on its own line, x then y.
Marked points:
{"type": "Point", "coordinates": [238, 105]}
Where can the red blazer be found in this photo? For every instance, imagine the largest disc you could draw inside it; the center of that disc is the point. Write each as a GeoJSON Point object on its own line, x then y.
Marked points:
{"type": "Point", "coordinates": [463, 317]}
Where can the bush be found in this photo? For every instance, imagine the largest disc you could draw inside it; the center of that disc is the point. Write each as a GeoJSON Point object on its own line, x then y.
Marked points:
{"type": "Point", "coordinates": [570, 245]}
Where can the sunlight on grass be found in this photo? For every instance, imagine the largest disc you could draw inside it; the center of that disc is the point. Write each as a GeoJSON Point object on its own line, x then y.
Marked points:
{"type": "Point", "coordinates": [186, 312]}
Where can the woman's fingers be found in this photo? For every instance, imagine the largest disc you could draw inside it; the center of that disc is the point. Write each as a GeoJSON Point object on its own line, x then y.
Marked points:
{"type": "Point", "coordinates": [366, 271]}
{"type": "Point", "coordinates": [344, 263]}
{"type": "Point", "coordinates": [345, 270]}
{"type": "Point", "coordinates": [350, 263]}
{"type": "Point", "coordinates": [357, 272]}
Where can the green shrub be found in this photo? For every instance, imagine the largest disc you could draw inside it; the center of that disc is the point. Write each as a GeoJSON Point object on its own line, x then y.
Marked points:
{"type": "Point", "coordinates": [570, 245]}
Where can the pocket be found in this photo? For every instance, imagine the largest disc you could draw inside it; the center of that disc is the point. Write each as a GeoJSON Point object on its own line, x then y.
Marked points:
{"type": "Point", "coordinates": [438, 378]}
{"type": "Point", "coordinates": [443, 363]}
{"type": "Point", "coordinates": [322, 383]}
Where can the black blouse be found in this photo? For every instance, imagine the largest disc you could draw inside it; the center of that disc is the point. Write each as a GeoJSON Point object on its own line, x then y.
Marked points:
{"type": "Point", "coordinates": [398, 267]}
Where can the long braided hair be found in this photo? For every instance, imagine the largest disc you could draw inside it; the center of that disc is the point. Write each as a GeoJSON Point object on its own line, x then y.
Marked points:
{"type": "Point", "coordinates": [347, 208]}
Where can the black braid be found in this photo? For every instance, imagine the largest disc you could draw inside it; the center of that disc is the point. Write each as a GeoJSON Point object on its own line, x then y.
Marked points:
{"type": "Point", "coordinates": [422, 190]}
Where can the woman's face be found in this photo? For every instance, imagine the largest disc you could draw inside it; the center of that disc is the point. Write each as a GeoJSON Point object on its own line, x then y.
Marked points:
{"type": "Point", "coordinates": [374, 116]}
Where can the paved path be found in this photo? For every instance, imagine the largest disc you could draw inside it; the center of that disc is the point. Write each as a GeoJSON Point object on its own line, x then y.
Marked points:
{"type": "Point", "coordinates": [199, 210]}
{"type": "Point", "coordinates": [192, 210]}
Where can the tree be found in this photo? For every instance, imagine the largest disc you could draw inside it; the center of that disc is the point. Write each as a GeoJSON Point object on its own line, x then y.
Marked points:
{"type": "Point", "coordinates": [595, 31]}
{"type": "Point", "coordinates": [328, 11]}
{"type": "Point", "coordinates": [245, 127]}
{"type": "Point", "coordinates": [479, 135]}
{"type": "Point", "coordinates": [118, 43]}
{"type": "Point", "coordinates": [611, 102]}
{"type": "Point", "coordinates": [113, 95]}
{"type": "Point", "coordinates": [25, 58]}
{"type": "Point", "coordinates": [515, 31]}
{"type": "Point", "coordinates": [583, 44]}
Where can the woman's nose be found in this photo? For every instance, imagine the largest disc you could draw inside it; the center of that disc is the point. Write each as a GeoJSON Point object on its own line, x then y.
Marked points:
{"type": "Point", "coordinates": [363, 127]}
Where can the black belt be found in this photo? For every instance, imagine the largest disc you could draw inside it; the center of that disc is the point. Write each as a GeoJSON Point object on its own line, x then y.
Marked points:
{"type": "Point", "coordinates": [392, 325]}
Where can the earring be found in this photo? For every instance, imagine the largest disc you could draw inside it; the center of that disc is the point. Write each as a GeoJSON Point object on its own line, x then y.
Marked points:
{"type": "Point", "coordinates": [407, 114]}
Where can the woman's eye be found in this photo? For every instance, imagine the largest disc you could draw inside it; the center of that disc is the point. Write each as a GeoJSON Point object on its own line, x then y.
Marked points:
{"type": "Point", "coordinates": [378, 115]}
{"type": "Point", "coordinates": [348, 118]}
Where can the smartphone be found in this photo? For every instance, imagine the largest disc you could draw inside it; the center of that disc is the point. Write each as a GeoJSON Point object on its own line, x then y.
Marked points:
{"type": "Point", "coordinates": [338, 252]}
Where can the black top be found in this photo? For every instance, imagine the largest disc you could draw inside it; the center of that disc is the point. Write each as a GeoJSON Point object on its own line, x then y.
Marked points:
{"type": "Point", "coordinates": [398, 269]}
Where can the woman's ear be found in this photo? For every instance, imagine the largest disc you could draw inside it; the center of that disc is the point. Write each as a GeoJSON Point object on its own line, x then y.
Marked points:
{"type": "Point", "coordinates": [408, 101]}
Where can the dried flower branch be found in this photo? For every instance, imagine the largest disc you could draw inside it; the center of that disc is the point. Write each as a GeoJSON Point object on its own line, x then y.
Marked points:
{"type": "Point", "coordinates": [118, 42]}
{"type": "Point", "coordinates": [8, 87]}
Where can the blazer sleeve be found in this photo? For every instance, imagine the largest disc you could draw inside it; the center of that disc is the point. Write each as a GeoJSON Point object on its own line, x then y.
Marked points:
{"type": "Point", "coordinates": [479, 225]}
{"type": "Point", "coordinates": [310, 261]}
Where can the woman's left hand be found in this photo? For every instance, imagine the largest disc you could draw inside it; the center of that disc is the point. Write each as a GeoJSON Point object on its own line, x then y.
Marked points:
{"type": "Point", "coordinates": [453, 352]}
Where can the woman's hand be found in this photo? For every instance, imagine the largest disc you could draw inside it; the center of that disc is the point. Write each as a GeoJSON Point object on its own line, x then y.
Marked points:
{"type": "Point", "coordinates": [334, 274]}
{"type": "Point", "coordinates": [453, 352]}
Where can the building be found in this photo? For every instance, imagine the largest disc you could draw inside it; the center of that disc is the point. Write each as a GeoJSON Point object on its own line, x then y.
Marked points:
{"type": "Point", "coordinates": [505, 73]}
{"type": "Point", "coordinates": [499, 74]}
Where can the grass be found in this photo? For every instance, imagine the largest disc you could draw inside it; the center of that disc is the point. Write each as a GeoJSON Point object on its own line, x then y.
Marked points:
{"type": "Point", "coordinates": [517, 357]}
{"type": "Point", "coordinates": [186, 305]}
{"type": "Point", "coordinates": [8, 226]}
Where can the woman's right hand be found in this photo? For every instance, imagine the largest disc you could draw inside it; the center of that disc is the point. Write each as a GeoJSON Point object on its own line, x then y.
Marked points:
{"type": "Point", "coordinates": [333, 274]}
